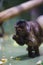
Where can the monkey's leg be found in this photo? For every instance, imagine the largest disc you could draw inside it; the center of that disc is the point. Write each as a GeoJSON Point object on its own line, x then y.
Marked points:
{"type": "Point", "coordinates": [37, 51]}
{"type": "Point", "coordinates": [31, 52]}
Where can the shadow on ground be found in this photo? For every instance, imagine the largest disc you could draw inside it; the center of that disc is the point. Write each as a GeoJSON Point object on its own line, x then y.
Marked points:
{"type": "Point", "coordinates": [21, 57]}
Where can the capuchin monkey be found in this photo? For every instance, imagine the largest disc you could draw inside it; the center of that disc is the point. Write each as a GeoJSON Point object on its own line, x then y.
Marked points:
{"type": "Point", "coordinates": [31, 34]}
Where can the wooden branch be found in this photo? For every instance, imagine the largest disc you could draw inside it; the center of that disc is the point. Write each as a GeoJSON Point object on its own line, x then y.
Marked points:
{"type": "Point", "coordinates": [14, 11]}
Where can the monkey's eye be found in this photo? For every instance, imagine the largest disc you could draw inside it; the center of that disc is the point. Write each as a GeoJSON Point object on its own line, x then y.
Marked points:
{"type": "Point", "coordinates": [19, 29]}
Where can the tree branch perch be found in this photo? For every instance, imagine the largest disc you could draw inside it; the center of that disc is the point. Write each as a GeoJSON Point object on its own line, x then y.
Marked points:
{"type": "Point", "coordinates": [14, 11]}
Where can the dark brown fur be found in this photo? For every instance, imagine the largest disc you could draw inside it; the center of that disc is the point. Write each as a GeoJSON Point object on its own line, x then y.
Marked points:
{"type": "Point", "coordinates": [29, 33]}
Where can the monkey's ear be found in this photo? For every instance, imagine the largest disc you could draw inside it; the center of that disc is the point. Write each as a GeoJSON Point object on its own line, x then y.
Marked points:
{"type": "Point", "coordinates": [13, 37]}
